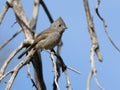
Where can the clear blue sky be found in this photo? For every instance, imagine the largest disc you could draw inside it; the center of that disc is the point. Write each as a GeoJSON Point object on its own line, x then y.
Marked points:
{"type": "Point", "coordinates": [77, 43]}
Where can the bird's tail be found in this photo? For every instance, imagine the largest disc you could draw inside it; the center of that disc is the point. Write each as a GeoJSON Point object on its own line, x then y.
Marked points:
{"type": "Point", "coordinates": [24, 52]}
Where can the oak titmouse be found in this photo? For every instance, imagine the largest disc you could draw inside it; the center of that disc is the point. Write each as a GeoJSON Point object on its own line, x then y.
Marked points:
{"type": "Point", "coordinates": [49, 38]}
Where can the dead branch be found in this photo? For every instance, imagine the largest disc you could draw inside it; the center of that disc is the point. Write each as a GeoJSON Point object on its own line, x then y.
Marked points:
{"type": "Point", "coordinates": [18, 67]}
{"type": "Point", "coordinates": [91, 30]}
{"type": "Point", "coordinates": [94, 48]}
{"type": "Point", "coordinates": [89, 80]}
{"type": "Point", "coordinates": [47, 11]}
{"type": "Point", "coordinates": [93, 71]}
{"type": "Point", "coordinates": [30, 76]}
{"type": "Point", "coordinates": [4, 11]}
{"type": "Point", "coordinates": [35, 12]}
{"type": "Point", "coordinates": [55, 70]}
{"type": "Point", "coordinates": [38, 72]}
{"type": "Point", "coordinates": [3, 68]}
{"type": "Point", "coordinates": [74, 70]}
{"type": "Point", "coordinates": [68, 86]}
{"type": "Point", "coordinates": [12, 37]}
{"type": "Point", "coordinates": [105, 26]}
{"type": "Point", "coordinates": [58, 63]}
{"type": "Point", "coordinates": [21, 17]}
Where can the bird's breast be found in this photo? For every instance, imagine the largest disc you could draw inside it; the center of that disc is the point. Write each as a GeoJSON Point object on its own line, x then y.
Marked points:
{"type": "Point", "coordinates": [50, 41]}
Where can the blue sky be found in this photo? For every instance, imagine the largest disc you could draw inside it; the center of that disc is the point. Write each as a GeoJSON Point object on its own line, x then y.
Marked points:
{"type": "Point", "coordinates": [76, 47]}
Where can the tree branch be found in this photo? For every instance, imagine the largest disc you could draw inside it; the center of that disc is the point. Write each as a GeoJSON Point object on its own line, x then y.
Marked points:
{"type": "Point", "coordinates": [105, 26]}
{"type": "Point", "coordinates": [94, 48]}
{"type": "Point", "coordinates": [3, 68]}
{"type": "Point", "coordinates": [91, 30]}
{"type": "Point", "coordinates": [37, 61]}
{"type": "Point", "coordinates": [4, 11]}
{"type": "Point", "coordinates": [12, 37]}
{"type": "Point", "coordinates": [93, 71]}
{"type": "Point", "coordinates": [69, 87]}
{"type": "Point", "coordinates": [30, 76]}
{"type": "Point", "coordinates": [47, 11]}
{"type": "Point", "coordinates": [55, 70]}
{"type": "Point", "coordinates": [18, 67]}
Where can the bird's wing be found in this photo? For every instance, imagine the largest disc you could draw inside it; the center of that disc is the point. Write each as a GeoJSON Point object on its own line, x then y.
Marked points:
{"type": "Point", "coordinates": [43, 35]}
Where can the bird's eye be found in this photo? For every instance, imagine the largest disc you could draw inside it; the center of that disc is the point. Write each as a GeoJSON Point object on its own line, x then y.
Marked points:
{"type": "Point", "coordinates": [59, 25]}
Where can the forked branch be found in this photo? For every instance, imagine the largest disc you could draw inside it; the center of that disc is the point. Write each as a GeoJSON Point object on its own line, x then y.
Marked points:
{"type": "Point", "coordinates": [94, 48]}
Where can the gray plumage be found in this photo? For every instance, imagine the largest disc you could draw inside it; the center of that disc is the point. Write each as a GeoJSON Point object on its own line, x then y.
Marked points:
{"type": "Point", "coordinates": [49, 38]}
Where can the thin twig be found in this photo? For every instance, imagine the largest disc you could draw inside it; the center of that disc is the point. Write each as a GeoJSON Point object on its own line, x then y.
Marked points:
{"type": "Point", "coordinates": [15, 22]}
{"type": "Point", "coordinates": [4, 11]}
{"type": "Point", "coordinates": [30, 76]}
{"type": "Point", "coordinates": [105, 26]}
{"type": "Point", "coordinates": [67, 67]}
{"type": "Point", "coordinates": [97, 82]}
{"type": "Point", "coordinates": [6, 74]}
{"type": "Point", "coordinates": [74, 70]}
{"type": "Point", "coordinates": [12, 37]}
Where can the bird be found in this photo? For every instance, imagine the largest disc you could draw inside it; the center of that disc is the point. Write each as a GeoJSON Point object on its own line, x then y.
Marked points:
{"type": "Point", "coordinates": [49, 38]}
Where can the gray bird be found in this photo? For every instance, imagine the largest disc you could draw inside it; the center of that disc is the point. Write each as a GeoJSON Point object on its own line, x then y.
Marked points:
{"type": "Point", "coordinates": [49, 38]}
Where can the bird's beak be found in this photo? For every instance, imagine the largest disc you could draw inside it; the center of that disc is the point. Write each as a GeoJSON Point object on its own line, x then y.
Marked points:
{"type": "Point", "coordinates": [65, 27]}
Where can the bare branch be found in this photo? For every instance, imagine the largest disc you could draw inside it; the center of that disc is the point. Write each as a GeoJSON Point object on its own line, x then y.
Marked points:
{"type": "Point", "coordinates": [4, 11]}
{"type": "Point", "coordinates": [105, 26]}
{"type": "Point", "coordinates": [94, 48]}
{"type": "Point", "coordinates": [55, 70]}
{"type": "Point", "coordinates": [74, 70]}
{"type": "Point", "coordinates": [12, 37]}
{"type": "Point", "coordinates": [35, 13]}
{"type": "Point", "coordinates": [10, 82]}
{"type": "Point", "coordinates": [97, 82]}
{"type": "Point", "coordinates": [69, 87]}
{"type": "Point", "coordinates": [18, 67]}
{"type": "Point", "coordinates": [89, 80]}
{"type": "Point", "coordinates": [32, 22]}
{"type": "Point", "coordinates": [13, 23]}
{"type": "Point", "coordinates": [47, 11]}
{"type": "Point", "coordinates": [91, 30]}
{"type": "Point", "coordinates": [93, 70]}
{"type": "Point", "coordinates": [29, 74]}
{"type": "Point", "coordinates": [58, 63]}
{"type": "Point", "coordinates": [9, 59]}
{"type": "Point", "coordinates": [5, 75]}
{"type": "Point", "coordinates": [20, 14]}
{"type": "Point", "coordinates": [21, 17]}
{"type": "Point", "coordinates": [38, 71]}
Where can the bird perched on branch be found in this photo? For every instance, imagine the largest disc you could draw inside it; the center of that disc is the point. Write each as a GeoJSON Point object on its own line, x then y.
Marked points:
{"type": "Point", "coordinates": [49, 38]}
